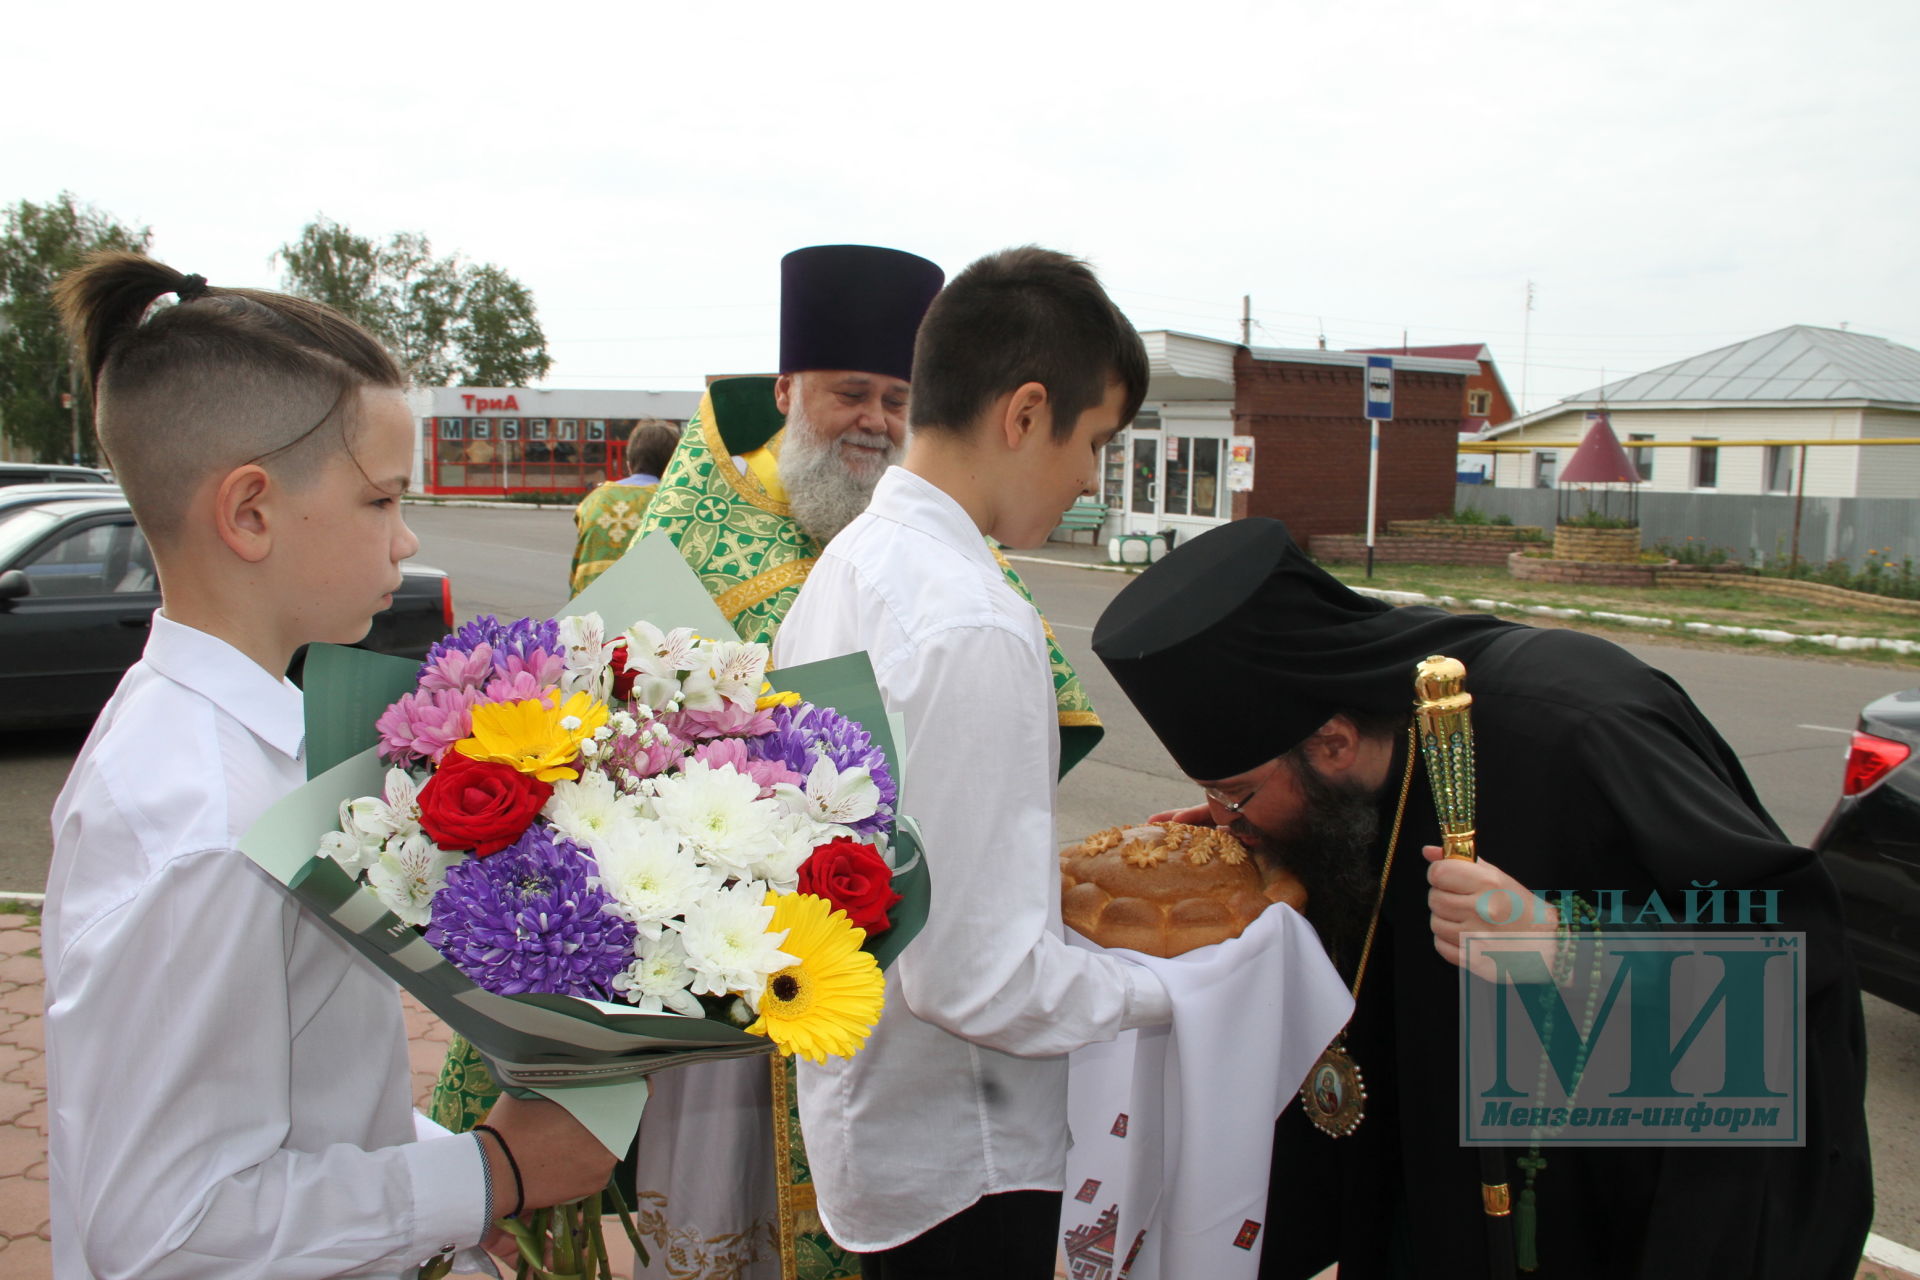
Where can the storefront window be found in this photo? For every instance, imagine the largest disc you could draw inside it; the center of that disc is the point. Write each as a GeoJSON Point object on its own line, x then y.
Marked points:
{"type": "Point", "coordinates": [1193, 476]}
{"type": "Point", "coordinates": [1146, 472]}
{"type": "Point", "coordinates": [1179, 474]}
{"type": "Point", "coordinates": [1206, 475]}
{"type": "Point", "coordinates": [1113, 474]}
{"type": "Point", "coordinates": [526, 454]}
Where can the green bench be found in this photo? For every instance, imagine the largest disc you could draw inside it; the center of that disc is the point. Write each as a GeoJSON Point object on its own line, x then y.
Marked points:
{"type": "Point", "coordinates": [1084, 516]}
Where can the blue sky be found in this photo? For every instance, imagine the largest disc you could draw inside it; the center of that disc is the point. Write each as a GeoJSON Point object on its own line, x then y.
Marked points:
{"type": "Point", "coordinates": [1673, 175]}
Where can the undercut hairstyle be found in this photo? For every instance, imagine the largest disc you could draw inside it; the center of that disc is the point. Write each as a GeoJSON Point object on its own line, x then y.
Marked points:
{"type": "Point", "coordinates": [1018, 316]}
{"type": "Point", "coordinates": [649, 445]}
{"type": "Point", "coordinates": [214, 379]}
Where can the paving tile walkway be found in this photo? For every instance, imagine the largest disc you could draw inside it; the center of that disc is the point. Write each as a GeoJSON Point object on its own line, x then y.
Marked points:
{"type": "Point", "coordinates": [24, 1251]}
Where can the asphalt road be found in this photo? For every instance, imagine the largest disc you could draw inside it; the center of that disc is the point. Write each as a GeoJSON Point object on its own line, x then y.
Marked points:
{"type": "Point", "coordinates": [1787, 718]}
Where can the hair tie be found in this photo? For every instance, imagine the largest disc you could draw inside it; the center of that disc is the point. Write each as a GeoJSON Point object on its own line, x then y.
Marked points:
{"type": "Point", "coordinates": [191, 287]}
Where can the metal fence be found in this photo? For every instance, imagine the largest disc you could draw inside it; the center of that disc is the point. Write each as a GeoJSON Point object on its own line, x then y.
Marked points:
{"type": "Point", "coordinates": [1754, 528]}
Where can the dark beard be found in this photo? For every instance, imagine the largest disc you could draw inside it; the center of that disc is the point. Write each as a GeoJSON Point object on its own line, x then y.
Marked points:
{"type": "Point", "coordinates": [1331, 847]}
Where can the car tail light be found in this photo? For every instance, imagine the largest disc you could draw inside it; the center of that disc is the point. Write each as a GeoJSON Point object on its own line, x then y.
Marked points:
{"type": "Point", "coordinates": [1870, 760]}
{"type": "Point", "coordinates": [446, 602]}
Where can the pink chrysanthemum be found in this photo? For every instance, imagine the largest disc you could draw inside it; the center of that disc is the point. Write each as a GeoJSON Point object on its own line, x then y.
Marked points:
{"type": "Point", "coordinates": [423, 724]}
{"type": "Point", "coordinates": [453, 669]}
{"type": "Point", "coordinates": [725, 721]}
{"type": "Point", "coordinates": [732, 751]}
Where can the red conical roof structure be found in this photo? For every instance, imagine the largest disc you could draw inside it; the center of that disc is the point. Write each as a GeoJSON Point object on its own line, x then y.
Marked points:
{"type": "Point", "coordinates": [1600, 459]}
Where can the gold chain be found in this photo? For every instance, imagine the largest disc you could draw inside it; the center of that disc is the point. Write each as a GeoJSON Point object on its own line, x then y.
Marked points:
{"type": "Point", "coordinates": [1393, 842]}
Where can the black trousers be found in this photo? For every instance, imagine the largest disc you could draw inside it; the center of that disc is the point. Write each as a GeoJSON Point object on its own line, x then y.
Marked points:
{"type": "Point", "coordinates": [1015, 1235]}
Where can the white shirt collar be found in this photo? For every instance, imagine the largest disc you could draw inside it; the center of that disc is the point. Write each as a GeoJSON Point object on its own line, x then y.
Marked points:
{"type": "Point", "coordinates": [271, 709]}
{"type": "Point", "coordinates": [908, 499]}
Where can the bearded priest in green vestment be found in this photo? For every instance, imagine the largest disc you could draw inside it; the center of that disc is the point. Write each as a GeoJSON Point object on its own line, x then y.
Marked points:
{"type": "Point", "coordinates": [766, 473]}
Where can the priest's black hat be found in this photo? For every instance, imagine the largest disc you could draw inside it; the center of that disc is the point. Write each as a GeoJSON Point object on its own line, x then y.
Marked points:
{"type": "Point", "coordinates": [1235, 647]}
{"type": "Point", "coordinates": [853, 306]}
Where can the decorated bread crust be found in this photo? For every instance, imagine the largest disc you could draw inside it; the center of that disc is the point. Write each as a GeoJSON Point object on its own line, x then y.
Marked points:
{"type": "Point", "coordinates": [1167, 889]}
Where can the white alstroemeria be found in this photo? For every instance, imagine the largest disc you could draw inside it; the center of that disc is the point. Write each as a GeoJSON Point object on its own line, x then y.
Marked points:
{"type": "Point", "coordinates": [588, 655]}
{"type": "Point", "coordinates": [731, 671]}
{"type": "Point", "coordinates": [660, 652]}
{"type": "Point", "coordinates": [408, 873]}
{"type": "Point", "coordinates": [728, 946]}
{"type": "Point", "coordinates": [353, 856]}
{"type": "Point", "coordinates": [833, 797]}
{"type": "Point", "coordinates": [651, 877]}
{"type": "Point", "coordinates": [717, 814]}
{"type": "Point", "coordinates": [658, 979]}
{"type": "Point", "coordinates": [368, 823]}
{"type": "Point", "coordinates": [587, 809]}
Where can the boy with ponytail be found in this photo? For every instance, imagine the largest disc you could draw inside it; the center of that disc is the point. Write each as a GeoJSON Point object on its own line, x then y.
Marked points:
{"type": "Point", "coordinates": [228, 1082]}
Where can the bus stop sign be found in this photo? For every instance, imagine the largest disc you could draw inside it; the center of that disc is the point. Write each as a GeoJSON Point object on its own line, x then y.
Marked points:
{"type": "Point", "coordinates": [1380, 388]}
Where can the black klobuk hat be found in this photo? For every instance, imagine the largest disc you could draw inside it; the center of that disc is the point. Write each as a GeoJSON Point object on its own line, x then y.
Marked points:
{"type": "Point", "coordinates": [1235, 647]}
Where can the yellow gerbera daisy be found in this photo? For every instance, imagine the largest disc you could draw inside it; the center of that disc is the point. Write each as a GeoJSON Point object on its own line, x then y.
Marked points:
{"type": "Point", "coordinates": [831, 1000]}
{"type": "Point", "coordinates": [532, 736]}
{"type": "Point", "coordinates": [768, 699]}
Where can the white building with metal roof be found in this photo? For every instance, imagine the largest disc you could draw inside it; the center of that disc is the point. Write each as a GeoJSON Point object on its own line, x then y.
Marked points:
{"type": "Point", "coordinates": [1799, 393]}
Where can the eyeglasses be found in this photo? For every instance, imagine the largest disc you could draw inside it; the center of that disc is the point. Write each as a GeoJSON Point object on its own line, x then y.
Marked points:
{"type": "Point", "coordinates": [1235, 807]}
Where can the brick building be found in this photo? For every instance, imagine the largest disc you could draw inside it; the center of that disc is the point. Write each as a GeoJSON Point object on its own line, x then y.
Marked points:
{"type": "Point", "coordinates": [1301, 413]}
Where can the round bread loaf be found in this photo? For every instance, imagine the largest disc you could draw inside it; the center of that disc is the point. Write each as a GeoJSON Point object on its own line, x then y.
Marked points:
{"type": "Point", "coordinates": [1167, 889]}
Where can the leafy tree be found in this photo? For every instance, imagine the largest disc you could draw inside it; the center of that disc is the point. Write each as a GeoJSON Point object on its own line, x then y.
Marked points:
{"type": "Point", "coordinates": [449, 321]}
{"type": "Point", "coordinates": [38, 243]}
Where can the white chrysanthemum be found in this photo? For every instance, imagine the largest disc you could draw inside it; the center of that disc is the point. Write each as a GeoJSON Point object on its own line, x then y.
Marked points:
{"type": "Point", "coordinates": [587, 809]}
{"type": "Point", "coordinates": [730, 671]}
{"type": "Point", "coordinates": [728, 946]}
{"type": "Point", "coordinates": [717, 814]}
{"type": "Point", "coordinates": [407, 875]}
{"type": "Point", "coordinates": [796, 836]}
{"type": "Point", "coordinates": [652, 879]}
{"type": "Point", "coordinates": [658, 979]}
{"type": "Point", "coordinates": [833, 797]}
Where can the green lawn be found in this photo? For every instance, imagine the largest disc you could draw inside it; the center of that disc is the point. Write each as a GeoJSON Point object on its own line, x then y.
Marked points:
{"type": "Point", "coordinates": [1726, 605]}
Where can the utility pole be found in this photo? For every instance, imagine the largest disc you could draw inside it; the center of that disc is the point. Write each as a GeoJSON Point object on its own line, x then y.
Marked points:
{"type": "Point", "coordinates": [1246, 320]}
{"type": "Point", "coordinates": [73, 405]}
{"type": "Point", "coordinates": [1526, 340]}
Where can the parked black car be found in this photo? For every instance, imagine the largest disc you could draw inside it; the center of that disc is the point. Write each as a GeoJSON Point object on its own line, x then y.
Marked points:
{"type": "Point", "coordinates": [50, 473]}
{"type": "Point", "coordinates": [1871, 844]}
{"type": "Point", "coordinates": [78, 591]}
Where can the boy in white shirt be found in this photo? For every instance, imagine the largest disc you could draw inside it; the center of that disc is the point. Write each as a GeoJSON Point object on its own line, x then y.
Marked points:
{"type": "Point", "coordinates": [227, 1080]}
{"type": "Point", "coordinates": [940, 1148]}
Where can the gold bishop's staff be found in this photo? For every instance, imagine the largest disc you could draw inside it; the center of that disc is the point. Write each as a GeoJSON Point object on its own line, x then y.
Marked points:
{"type": "Point", "coordinates": [1444, 711]}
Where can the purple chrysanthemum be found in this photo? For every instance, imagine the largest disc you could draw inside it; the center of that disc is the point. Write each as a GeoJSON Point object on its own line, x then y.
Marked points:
{"type": "Point", "coordinates": [526, 919]}
{"type": "Point", "coordinates": [527, 639]}
{"type": "Point", "coordinates": [802, 734]}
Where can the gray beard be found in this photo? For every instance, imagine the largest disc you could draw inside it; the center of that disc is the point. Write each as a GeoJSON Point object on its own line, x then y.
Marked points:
{"type": "Point", "coordinates": [822, 493]}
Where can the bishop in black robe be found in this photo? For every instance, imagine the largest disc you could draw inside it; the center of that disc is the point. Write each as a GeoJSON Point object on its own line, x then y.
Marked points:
{"type": "Point", "coordinates": [1595, 772]}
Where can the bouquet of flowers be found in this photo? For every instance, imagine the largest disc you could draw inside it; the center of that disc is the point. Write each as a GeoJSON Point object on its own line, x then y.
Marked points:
{"type": "Point", "coordinates": [632, 817]}
{"type": "Point", "coordinates": [600, 853]}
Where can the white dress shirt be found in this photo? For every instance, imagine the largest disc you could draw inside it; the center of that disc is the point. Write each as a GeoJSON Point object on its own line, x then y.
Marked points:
{"type": "Point", "coordinates": [228, 1084]}
{"type": "Point", "coordinates": [961, 1091]}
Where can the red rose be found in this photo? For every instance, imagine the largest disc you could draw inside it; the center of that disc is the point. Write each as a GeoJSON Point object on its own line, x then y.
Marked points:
{"type": "Point", "coordinates": [623, 675]}
{"type": "Point", "coordinates": [854, 878]}
{"type": "Point", "coordinates": [479, 804]}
